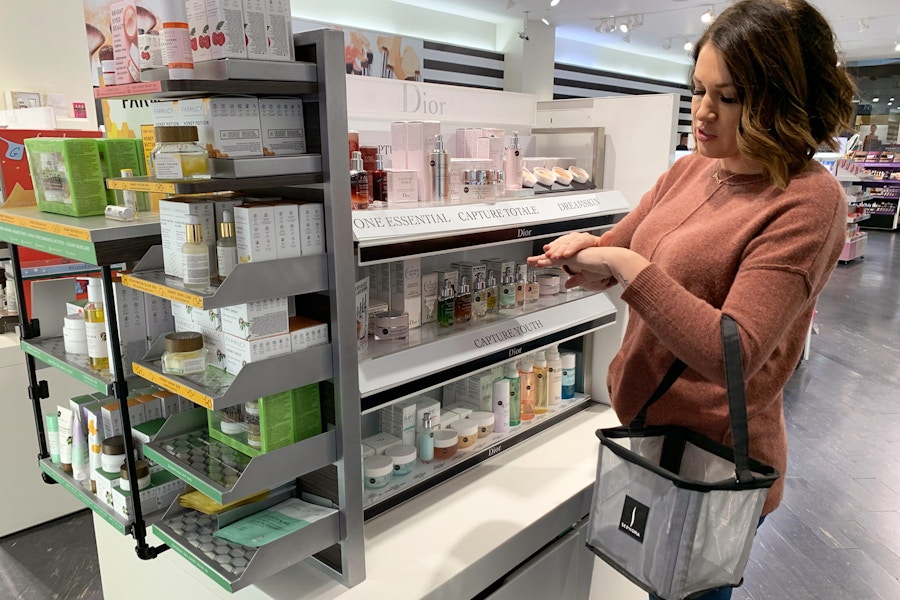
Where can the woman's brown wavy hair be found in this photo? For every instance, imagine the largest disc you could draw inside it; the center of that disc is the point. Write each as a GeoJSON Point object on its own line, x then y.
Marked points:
{"type": "Point", "coordinates": [781, 56]}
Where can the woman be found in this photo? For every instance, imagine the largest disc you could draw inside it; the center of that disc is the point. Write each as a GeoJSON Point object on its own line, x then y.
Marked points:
{"type": "Point", "coordinates": [748, 225]}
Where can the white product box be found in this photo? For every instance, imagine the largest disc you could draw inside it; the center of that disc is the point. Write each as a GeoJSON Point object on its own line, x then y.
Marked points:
{"type": "Point", "coordinates": [381, 442]}
{"type": "Point", "coordinates": [415, 156]}
{"type": "Point", "coordinates": [130, 313]}
{"type": "Point", "coordinates": [429, 297]}
{"type": "Point", "coordinates": [367, 451]}
{"type": "Point", "coordinates": [402, 185]}
{"type": "Point", "coordinates": [398, 146]}
{"type": "Point", "coordinates": [239, 352]}
{"type": "Point", "coordinates": [182, 324]}
{"type": "Point", "coordinates": [210, 319]}
{"type": "Point", "coordinates": [227, 126]}
{"type": "Point", "coordinates": [312, 229]}
{"type": "Point", "coordinates": [461, 408]}
{"type": "Point", "coordinates": [214, 341]}
{"type": "Point", "coordinates": [287, 230]}
{"type": "Point", "coordinates": [399, 420]}
{"type": "Point", "coordinates": [165, 113]}
{"type": "Point", "coordinates": [112, 419]}
{"type": "Point", "coordinates": [280, 42]}
{"type": "Point", "coordinates": [379, 283]}
{"type": "Point", "coordinates": [152, 407]}
{"type": "Point", "coordinates": [430, 405]}
{"type": "Point", "coordinates": [254, 226]}
{"type": "Point", "coordinates": [157, 317]}
{"type": "Point", "coordinates": [137, 414]}
{"type": "Point", "coordinates": [307, 333]}
{"type": "Point", "coordinates": [255, 29]}
{"type": "Point", "coordinates": [406, 289]}
{"type": "Point", "coordinates": [362, 314]}
{"type": "Point", "coordinates": [470, 270]}
{"type": "Point", "coordinates": [173, 217]}
{"type": "Point", "coordinates": [226, 24]}
{"type": "Point", "coordinates": [182, 312]}
{"type": "Point", "coordinates": [471, 142]}
{"type": "Point", "coordinates": [223, 203]}
{"type": "Point", "coordinates": [448, 417]}
{"type": "Point", "coordinates": [105, 482]}
{"type": "Point", "coordinates": [255, 320]}
{"type": "Point", "coordinates": [500, 266]}
{"type": "Point", "coordinates": [375, 308]}
{"type": "Point", "coordinates": [169, 402]}
{"type": "Point", "coordinates": [458, 166]}
{"type": "Point", "coordinates": [447, 274]}
{"type": "Point", "coordinates": [200, 31]}
{"type": "Point", "coordinates": [281, 121]}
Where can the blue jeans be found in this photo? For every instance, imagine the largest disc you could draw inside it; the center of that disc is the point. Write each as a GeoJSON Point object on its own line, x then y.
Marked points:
{"type": "Point", "coordinates": [722, 593]}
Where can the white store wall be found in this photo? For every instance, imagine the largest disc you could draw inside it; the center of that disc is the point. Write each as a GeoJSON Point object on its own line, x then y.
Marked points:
{"type": "Point", "coordinates": [43, 48]}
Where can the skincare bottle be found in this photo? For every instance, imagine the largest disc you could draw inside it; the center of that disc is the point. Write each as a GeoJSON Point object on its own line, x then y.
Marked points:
{"type": "Point", "coordinates": [359, 183]}
{"type": "Point", "coordinates": [542, 384]}
{"type": "Point", "coordinates": [446, 305]}
{"type": "Point", "coordinates": [500, 405]}
{"type": "Point", "coordinates": [532, 288]}
{"type": "Point", "coordinates": [491, 292]}
{"type": "Point", "coordinates": [53, 436]}
{"type": "Point", "coordinates": [511, 374]}
{"type": "Point", "coordinates": [95, 326]}
{"type": "Point", "coordinates": [479, 300]}
{"type": "Point", "coordinates": [554, 373]}
{"type": "Point", "coordinates": [463, 306]}
{"type": "Point", "coordinates": [226, 245]}
{"type": "Point", "coordinates": [526, 389]}
{"type": "Point", "coordinates": [439, 171]}
{"type": "Point", "coordinates": [520, 288]}
{"type": "Point", "coordinates": [379, 181]}
{"type": "Point", "coordinates": [176, 39]}
{"type": "Point", "coordinates": [426, 439]}
{"type": "Point", "coordinates": [507, 298]}
{"type": "Point", "coordinates": [512, 167]}
{"type": "Point", "coordinates": [194, 255]}
{"type": "Point", "coordinates": [568, 376]}
{"type": "Point", "coordinates": [129, 197]}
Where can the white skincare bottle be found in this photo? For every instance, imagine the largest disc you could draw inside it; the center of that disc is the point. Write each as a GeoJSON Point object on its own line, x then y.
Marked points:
{"type": "Point", "coordinates": [226, 245]}
{"type": "Point", "coordinates": [554, 374]}
{"type": "Point", "coordinates": [95, 326]}
{"type": "Point", "coordinates": [194, 255]}
{"type": "Point", "coordinates": [439, 171]}
{"type": "Point", "coordinates": [426, 439]}
{"type": "Point", "coordinates": [500, 405]}
{"type": "Point", "coordinates": [513, 164]}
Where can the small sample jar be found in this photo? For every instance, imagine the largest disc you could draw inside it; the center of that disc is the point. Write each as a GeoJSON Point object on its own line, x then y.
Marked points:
{"type": "Point", "coordinates": [466, 432]}
{"type": "Point", "coordinates": [485, 421]}
{"type": "Point", "coordinates": [549, 284]}
{"type": "Point", "coordinates": [377, 471]}
{"type": "Point", "coordinates": [251, 422]}
{"type": "Point", "coordinates": [74, 334]}
{"type": "Point", "coordinates": [142, 470]}
{"type": "Point", "coordinates": [112, 454]}
{"type": "Point", "coordinates": [446, 441]}
{"type": "Point", "coordinates": [232, 420]}
{"type": "Point", "coordinates": [178, 155]}
{"type": "Point", "coordinates": [185, 353]}
{"type": "Point", "coordinates": [393, 325]}
{"type": "Point", "coordinates": [403, 457]}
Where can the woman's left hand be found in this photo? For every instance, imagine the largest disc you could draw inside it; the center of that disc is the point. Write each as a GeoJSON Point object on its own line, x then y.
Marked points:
{"type": "Point", "coordinates": [597, 266]}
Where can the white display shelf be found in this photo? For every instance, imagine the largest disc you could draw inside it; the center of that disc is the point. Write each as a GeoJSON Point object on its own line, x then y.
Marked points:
{"type": "Point", "coordinates": [224, 474]}
{"type": "Point", "coordinates": [215, 389]}
{"type": "Point", "coordinates": [428, 475]}
{"type": "Point", "coordinates": [384, 234]}
{"type": "Point", "coordinates": [106, 512]}
{"type": "Point", "coordinates": [52, 352]}
{"type": "Point", "coordinates": [246, 283]}
{"type": "Point", "coordinates": [432, 356]}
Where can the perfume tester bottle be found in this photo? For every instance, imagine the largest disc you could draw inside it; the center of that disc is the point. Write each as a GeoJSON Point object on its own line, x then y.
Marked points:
{"type": "Point", "coordinates": [479, 298]}
{"type": "Point", "coordinates": [446, 305]}
{"type": "Point", "coordinates": [532, 289]}
{"type": "Point", "coordinates": [491, 292]}
{"type": "Point", "coordinates": [359, 183]}
{"type": "Point", "coordinates": [426, 439]}
{"type": "Point", "coordinates": [507, 297]}
{"type": "Point", "coordinates": [463, 304]}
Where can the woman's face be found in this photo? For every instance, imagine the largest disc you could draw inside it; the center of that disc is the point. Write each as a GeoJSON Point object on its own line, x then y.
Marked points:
{"type": "Point", "coordinates": [716, 110]}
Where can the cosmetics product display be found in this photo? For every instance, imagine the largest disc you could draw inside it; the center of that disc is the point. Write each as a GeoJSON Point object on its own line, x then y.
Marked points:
{"type": "Point", "coordinates": [568, 375]}
{"type": "Point", "coordinates": [485, 421]}
{"type": "Point", "coordinates": [207, 456]}
{"type": "Point", "coordinates": [513, 164]}
{"type": "Point", "coordinates": [142, 470]}
{"type": "Point", "coordinates": [95, 326]}
{"type": "Point", "coordinates": [112, 454]}
{"type": "Point", "coordinates": [393, 325]}
{"type": "Point", "coordinates": [527, 389]}
{"type": "Point", "coordinates": [185, 353]}
{"type": "Point", "coordinates": [226, 245]}
{"type": "Point", "coordinates": [500, 401]}
{"type": "Point", "coordinates": [178, 155]}
{"type": "Point", "coordinates": [511, 374]}
{"type": "Point", "coordinates": [479, 298]}
{"type": "Point", "coordinates": [466, 431]}
{"type": "Point", "coordinates": [542, 384]}
{"type": "Point", "coordinates": [463, 304]}
{"type": "Point", "coordinates": [195, 255]}
{"type": "Point", "coordinates": [554, 376]}
{"type": "Point", "coordinates": [403, 458]}
{"type": "Point", "coordinates": [377, 471]}
{"type": "Point", "coordinates": [359, 182]}
{"type": "Point", "coordinates": [548, 285]}
{"type": "Point", "coordinates": [446, 442]}
{"type": "Point", "coordinates": [198, 530]}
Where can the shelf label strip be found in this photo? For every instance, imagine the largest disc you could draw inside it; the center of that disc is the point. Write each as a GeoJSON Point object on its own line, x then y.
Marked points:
{"type": "Point", "coordinates": [47, 241]}
{"type": "Point", "coordinates": [114, 91]}
{"type": "Point", "coordinates": [136, 185]}
{"type": "Point", "coordinates": [173, 386]}
{"type": "Point", "coordinates": [68, 231]}
{"type": "Point", "coordinates": [397, 223]}
{"type": "Point", "coordinates": [162, 291]}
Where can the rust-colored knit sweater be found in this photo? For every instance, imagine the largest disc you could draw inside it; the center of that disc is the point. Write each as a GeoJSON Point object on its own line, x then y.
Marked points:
{"type": "Point", "coordinates": [741, 247]}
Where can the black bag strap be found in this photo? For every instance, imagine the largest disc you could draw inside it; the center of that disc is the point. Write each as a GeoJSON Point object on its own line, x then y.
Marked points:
{"type": "Point", "coordinates": [737, 404]}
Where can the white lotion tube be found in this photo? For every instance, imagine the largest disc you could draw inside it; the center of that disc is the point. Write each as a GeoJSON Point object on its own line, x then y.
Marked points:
{"type": "Point", "coordinates": [500, 405]}
{"type": "Point", "coordinates": [64, 427]}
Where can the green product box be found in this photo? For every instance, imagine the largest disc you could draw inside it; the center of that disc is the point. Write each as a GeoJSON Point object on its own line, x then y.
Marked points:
{"type": "Point", "coordinates": [117, 154]}
{"type": "Point", "coordinates": [284, 418]}
{"type": "Point", "coordinates": [67, 176]}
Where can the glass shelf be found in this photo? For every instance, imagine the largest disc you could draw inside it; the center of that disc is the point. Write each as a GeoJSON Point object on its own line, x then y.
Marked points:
{"type": "Point", "coordinates": [99, 507]}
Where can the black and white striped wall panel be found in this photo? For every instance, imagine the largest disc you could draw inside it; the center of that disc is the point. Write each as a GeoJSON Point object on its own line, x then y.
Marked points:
{"type": "Point", "coordinates": [570, 81]}
{"type": "Point", "coordinates": [467, 67]}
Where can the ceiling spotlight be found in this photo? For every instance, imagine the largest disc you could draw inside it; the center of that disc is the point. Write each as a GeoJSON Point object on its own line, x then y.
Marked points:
{"type": "Point", "coordinates": [875, 99]}
{"type": "Point", "coordinates": [624, 27]}
{"type": "Point", "coordinates": [688, 45]}
{"type": "Point", "coordinates": [667, 44]}
{"type": "Point", "coordinates": [554, 2]}
{"type": "Point", "coordinates": [545, 21]}
{"type": "Point", "coordinates": [890, 103]}
{"type": "Point", "coordinates": [708, 16]}
{"type": "Point", "coordinates": [863, 24]}
{"type": "Point", "coordinates": [897, 47]}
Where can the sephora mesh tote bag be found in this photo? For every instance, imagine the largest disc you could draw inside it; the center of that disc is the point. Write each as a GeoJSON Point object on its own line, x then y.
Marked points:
{"type": "Point", "coordinates": [674, 511]}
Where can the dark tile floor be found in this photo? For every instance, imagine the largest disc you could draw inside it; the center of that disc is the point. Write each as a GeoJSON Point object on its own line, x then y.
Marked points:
{"type": "Point", "coordinates": [835, 536]}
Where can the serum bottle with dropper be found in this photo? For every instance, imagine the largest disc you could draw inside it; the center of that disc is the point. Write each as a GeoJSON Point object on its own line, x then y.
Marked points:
{"type": "Point", "coordinates": [359, 183]}
{"type": "Point", "coordinates": [194, 256]}
{"type": "Point", "coordinates": [226, 245]}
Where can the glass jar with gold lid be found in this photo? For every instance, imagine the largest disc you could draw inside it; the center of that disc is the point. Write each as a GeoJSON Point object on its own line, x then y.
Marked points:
{"type": "Point", "coordinates": [178, 155]}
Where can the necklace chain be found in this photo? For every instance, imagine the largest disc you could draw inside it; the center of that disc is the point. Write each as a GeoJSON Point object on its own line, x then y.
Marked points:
{"type": "Point", "coordinates": [720, 181]}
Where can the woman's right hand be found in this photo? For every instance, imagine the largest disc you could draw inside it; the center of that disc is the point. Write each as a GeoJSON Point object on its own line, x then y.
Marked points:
{"type": "Point", "coordinates": [569, 245]}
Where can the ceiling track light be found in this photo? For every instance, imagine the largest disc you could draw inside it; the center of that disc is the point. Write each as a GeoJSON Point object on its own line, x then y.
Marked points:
{"type": "Point", "coordinates": [554, 2]}
{"type": "Point", "coordinates": [897, 47]}
{"type": "Point", "coordinates": [863, 24]}
{"type": "Point", "coordinates": [545, 21]}
{"type": "Point", "coordinates": [688, 45]}
{"type": "Point", "coordinates": [708, 16]}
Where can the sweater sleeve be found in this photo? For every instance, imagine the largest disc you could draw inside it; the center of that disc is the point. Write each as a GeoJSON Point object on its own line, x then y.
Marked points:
{"type": "Point", "coordinates": [781, 269]}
